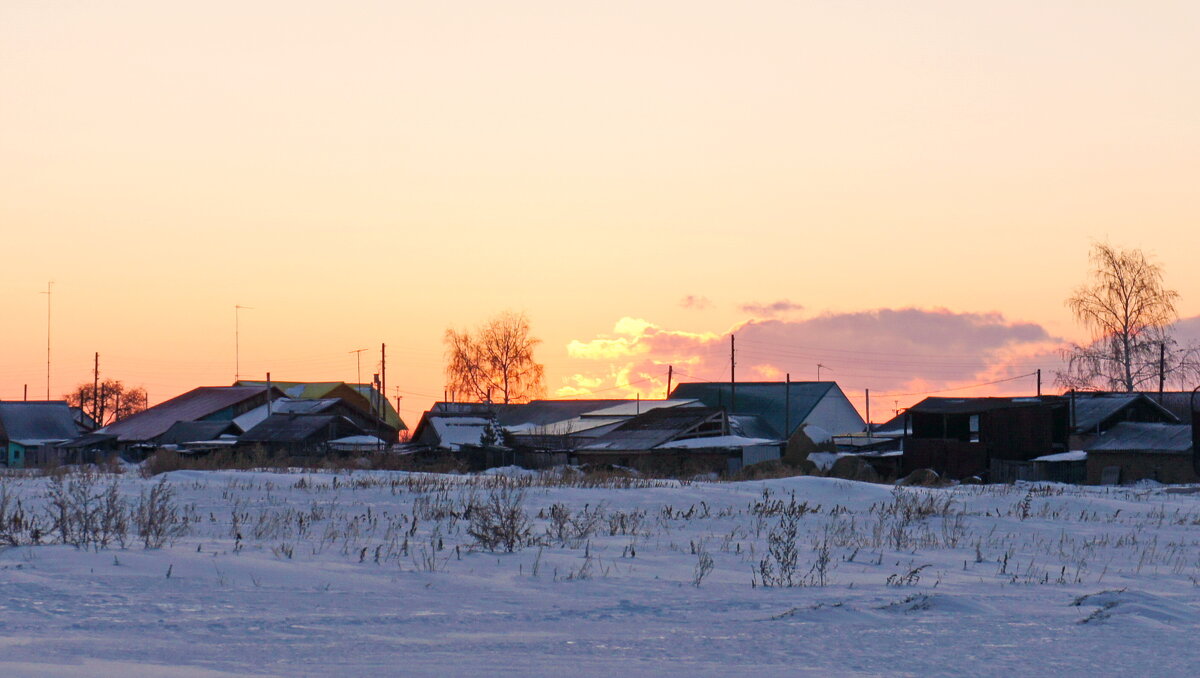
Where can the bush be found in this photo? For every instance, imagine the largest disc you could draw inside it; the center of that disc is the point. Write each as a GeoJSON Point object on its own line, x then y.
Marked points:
{"type": "Point", "coordinates": [157, 516]}
{"type": "Point", "coordinates": [501, 521]}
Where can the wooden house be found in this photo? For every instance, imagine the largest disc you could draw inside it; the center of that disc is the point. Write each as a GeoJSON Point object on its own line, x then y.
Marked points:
{"type": "Point", "coordinates": [961, 437]}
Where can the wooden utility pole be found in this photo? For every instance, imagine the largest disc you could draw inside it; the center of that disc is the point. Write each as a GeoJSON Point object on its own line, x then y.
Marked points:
{"type": "Point", "coordinates": [732, 376]}
{"type": "Point", "coordinates": [787, 406]}
{"type": "Point", "coordinates": [382, 378]}
{"type": "Point", "coordinates": [1039, 375]}
{"type": "Point", "coordinates": [868, 414]}
{"type": "Point", "coordinates": [95, 388]}
{"type": "Point", "coordinates": [670, 375]}
{"type": "Point", "coordinates": [1162, 369]}
{"type": "Point", "coordinates": [375, 406]}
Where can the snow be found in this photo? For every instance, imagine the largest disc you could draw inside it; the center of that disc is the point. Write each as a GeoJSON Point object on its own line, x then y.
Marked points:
{"type": "Point", "coordinates": [825, 460]}
{"type": "Point", "coordinates": [454, 432]}
{"type": "Point", "coordinates": [817, 434]}
{"type": "Point", "coordinates": [991, 580]}
{"type": "Point", "coordinates": [715, 441]}
{"type": "Point", "coordinates": [1075, 455]}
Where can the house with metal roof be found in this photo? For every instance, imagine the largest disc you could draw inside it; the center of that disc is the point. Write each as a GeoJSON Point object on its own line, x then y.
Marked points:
{"type": "Point", "coordinates": [363, 419]}
{"type": "Point", "coordinates": [299, 433]}
{"type": "Point", "coordinates": [783, 406]}
{"type": "Point", "coordinates": [1092, 414]}
{"type": "Point", "coordinates": [1132, 451]}
{"type": "Point", "coordinates": [546, 425]}
{"type": "Point", "coordinates": [364, 397]}
{"type": "Point", "coordinates": [678, 440]}
{"type": "Point", "coordinates": [961, 437]}
{"type": "Point", "coordinates": [207, 403]}
{"type": "Point", "coordinates": [27, 427]}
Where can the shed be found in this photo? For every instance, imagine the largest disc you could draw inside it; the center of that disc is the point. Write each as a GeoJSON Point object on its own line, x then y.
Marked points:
{"type": "Point", "coordinates": [1140, 451]}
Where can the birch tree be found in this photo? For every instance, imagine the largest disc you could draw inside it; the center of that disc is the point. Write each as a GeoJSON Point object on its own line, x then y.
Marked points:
{"type": "Point", "coordinates": [1129, 311]}
{"type": "Point", "coordinates": [494, 363]}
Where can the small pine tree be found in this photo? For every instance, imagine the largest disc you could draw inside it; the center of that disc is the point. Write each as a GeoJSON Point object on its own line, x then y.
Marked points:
{"type": "Point", "coordinates": [492, 434]}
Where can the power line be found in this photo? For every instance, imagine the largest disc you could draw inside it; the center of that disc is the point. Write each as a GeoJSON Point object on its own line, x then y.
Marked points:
{"type": "Point", "coordinates": [957, 388]}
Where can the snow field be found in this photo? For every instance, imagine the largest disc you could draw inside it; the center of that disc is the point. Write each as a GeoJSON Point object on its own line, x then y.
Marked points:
{"type": "Point", "coordinates": [387, 573]}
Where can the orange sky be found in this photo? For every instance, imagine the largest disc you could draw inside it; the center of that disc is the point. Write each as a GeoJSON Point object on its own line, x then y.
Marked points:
{"type": "Point", "coordinates": [367, 172]}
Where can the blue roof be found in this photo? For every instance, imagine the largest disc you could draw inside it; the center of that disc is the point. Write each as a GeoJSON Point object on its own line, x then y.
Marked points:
{"type": "Point", "coordinates": [33, 421]}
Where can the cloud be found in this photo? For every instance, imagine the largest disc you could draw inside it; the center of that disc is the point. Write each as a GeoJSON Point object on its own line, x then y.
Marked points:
{"type": "Point", "coordinates": [695, 303]}
{"type": "Point", "coordinates": [890, 351]}
{"type": "Point", "coordinates": [770, 310]}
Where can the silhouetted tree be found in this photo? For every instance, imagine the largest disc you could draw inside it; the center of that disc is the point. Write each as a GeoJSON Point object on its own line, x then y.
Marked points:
{"type": "Point", "coordinates": [1130, 313]}
{"type": "Point", "coordinates": [113, 403]}
{"type": "Point", "coordinates": [495, 363]}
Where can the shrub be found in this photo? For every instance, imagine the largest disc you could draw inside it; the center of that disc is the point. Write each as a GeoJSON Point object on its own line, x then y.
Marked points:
{"type": "Point", "coordinates": [501, 521]}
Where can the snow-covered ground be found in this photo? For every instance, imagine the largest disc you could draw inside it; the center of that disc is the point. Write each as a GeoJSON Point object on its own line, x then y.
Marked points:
{"type": "Point", "coordinates": [377, 573]}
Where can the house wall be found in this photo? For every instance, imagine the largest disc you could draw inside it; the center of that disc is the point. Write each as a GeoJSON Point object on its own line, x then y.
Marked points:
{"type": "Point", "coordinates": [1135, 466]}
{"type": "Point", "coordinates": [14, 455]}
{"type": "Point", "coordinates": [1021, 434]}
{"type": "Point", "coordinates": [835, 414]}
{"type": "Point", "coordinates": [950, 458]}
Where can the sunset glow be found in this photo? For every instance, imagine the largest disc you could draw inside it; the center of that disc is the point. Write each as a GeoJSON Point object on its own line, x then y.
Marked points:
{"type": "Point", "coordinates": [902, 192]}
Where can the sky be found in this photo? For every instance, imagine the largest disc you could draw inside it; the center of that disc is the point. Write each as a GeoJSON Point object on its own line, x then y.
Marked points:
{"type": "Point", "coordinates": [904, 192]}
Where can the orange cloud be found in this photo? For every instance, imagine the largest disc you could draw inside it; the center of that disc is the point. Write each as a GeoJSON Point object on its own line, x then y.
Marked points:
{"type": "Point", "coordinates": [893, 352]}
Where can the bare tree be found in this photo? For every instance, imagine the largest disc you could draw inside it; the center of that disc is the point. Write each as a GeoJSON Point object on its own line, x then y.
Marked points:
{"type": "Point", "coordinates": [1130, 313]}
{"type": "Point", "coordinates": [111, 402]}
{"type": "Point", "coordinates": [495, 363]}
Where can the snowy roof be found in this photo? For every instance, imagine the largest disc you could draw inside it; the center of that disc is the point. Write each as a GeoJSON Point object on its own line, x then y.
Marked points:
{"type": "Point", "coordinates": [1075, 455]}
{"type": "Point", "coordinates": [364, 397]}
{"type": "Point", "coordinates": [1092, 410]}
{"type": "Point", "coordinates": [196, 404]}
{"type": "Point", "coordinates": [356, 443]}
{"type": "Point", "coordinates": [651, 429]}
{"type": "Point", "coordinates": [1131, 437]}
{"type": "Point", "coordinates": [454, 432]}
{"type": "Point", "coordinates": [631, 408]}
{"type": "Point", "coordinates": [36, 422]}
{"type": "Point", "coordinates": [259, 414]}
{"type": "Point", "coordinates": [296, 428]}
{"type": "Point", "coordinates": [193, 431]}
{"type": "Point", "coordinates": [716, 441]}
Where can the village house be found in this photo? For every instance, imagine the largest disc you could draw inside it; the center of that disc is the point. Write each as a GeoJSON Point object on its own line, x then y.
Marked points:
{"type": "Point", "coordinates": [1132, 451]}
{"type": "Point", "coordinates": [138, 434]}
{"type": "Point", "coordinates": [1094, 413]}
{"type": "Point", "coordinates": [984, 437]}
{"type": "Point", "coordinates": [363, 397]}
{"type": "Point", "coordinates": [32, 431]}
{"type": "Point", "coordinates": [678, 440]}
{"type": "Point", "coordinates": [784, 407]}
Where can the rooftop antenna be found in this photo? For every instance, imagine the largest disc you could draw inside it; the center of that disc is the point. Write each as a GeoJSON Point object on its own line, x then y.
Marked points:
{"type": "Point", "coordinates": [819, 368]}
{"type": "Point", "coordinates": [237, 341]}
{"type": "Point", "coordinates": [49, 289]}
{"type": "Point", "coordinates": [358, 359]}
